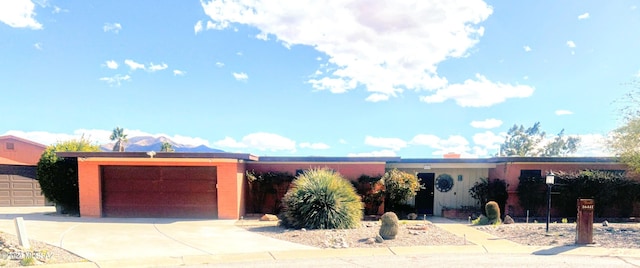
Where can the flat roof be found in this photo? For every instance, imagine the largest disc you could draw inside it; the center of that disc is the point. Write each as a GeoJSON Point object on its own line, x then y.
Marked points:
{"type": "Point", "coordinates": [327, 159]}
{"type": "Point", "coordinates": [248, 157]}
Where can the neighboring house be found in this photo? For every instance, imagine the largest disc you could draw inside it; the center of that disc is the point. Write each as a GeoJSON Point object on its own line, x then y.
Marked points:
{"type": "Point", "coordinates": [213, 185]}
{"type": "Point", "coordinates": [18, 184]}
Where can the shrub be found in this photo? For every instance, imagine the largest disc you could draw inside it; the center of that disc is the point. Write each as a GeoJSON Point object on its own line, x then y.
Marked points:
{"type": "Point", "coordinates": [371, 190]}
{"type": "Point", "coordinates": [58, 177]}
{"type": "Point", "coordinates": [321, 199]}
{"type": "Point", "coordinates": [400, 186]}
{"type": "Point", "coordinates": [493, 211]}
{"type": "Point", "coordinates": [613, 193]}
{"type": "Point", "coordinates": [481, 220]}
{"type": "Point", "coordinates": [262, 185]}
{"type": "Point", "coordinates": [532, 194]}
{"type": "Point", "coordinates": [490, 189]}
{"type": "Point", "coordinates": [389, 226]}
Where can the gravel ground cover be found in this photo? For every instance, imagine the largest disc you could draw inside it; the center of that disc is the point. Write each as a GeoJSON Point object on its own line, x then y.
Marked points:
{"type": "Point", "coordinates": [12, 255]}
{"type": "Point", "coordinates": [616, 235]}
{"type": "Point", "coordinates": [411, 233]}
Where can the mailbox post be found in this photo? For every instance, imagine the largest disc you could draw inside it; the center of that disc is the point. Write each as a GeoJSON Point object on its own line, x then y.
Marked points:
{"type": "Point", "coordinates": [584, 228]}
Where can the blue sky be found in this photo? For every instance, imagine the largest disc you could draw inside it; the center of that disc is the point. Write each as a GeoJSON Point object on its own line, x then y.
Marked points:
{"type": "Point", "coordinates": [414, 79]}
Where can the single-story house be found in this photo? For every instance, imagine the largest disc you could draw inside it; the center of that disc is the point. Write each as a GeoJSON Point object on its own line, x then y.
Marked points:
{"type": "Point", "coordinates": [18, 184]}
{"type": "Point", "coordinates": [213, 185]}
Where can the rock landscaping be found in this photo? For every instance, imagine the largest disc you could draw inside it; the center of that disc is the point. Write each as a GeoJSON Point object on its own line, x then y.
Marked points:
{"type": "Point", "coordinates": [13, 255]}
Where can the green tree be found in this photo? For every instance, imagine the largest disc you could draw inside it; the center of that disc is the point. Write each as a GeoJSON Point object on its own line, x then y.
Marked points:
{"type": "Point", "coordinates": [624, 141]}
{"type": "Point", "coordinates": [120, 138]}
{"type": "Point", "coordinates": [167, 147]}
{"type": "Point", "coordinates": [521, 141]}
{"type": "Point", "coordinates": [399, 187]}
{"type": "Point", "coordinates": [561, 145]}
{"type": "Point", "coordinates": [58, 177]}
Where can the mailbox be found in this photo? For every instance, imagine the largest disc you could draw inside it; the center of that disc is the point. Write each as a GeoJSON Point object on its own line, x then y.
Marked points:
{"type": "Point", "coordinates": [584, 228]}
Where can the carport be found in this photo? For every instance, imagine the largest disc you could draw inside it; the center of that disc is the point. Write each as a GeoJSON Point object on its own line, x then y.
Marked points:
{"type": "Point", "coordinates": [171, 185]}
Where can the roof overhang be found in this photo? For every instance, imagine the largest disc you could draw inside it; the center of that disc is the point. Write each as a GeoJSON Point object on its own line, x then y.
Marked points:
{"type": "Point", "coordinates": [157, 155]}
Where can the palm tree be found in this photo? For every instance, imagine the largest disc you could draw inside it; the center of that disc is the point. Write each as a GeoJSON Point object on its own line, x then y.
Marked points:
{"type": "Point", "coordinates": [167, 147]}
{"type": "Point", "coordinates": [120, 138]}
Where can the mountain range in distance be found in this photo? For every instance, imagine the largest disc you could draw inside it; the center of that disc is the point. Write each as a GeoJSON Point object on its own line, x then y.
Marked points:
{"type": "Point", "coordinates": [149, 143]}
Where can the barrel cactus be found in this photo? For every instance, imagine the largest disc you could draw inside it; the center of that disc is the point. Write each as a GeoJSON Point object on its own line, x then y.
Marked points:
{"type": "Point", "coordinates": [493, 212]}
{"type": "Point", "coordinates": [389, 226]}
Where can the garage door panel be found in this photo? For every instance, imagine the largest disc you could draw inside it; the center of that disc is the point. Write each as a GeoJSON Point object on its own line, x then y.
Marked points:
{"type": "Point", "coordinates": [18, 186]}
{"type": "Point", "coordinates": [192, 186]}
{"type": "Point", "coordinates": [136, 191]}
{"type": "Point", "coordinates": [127, 172]}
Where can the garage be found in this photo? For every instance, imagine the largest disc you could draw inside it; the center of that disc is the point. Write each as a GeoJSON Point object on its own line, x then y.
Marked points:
{"type": "Point", "coordinates": [159, 191]}
{"type": "Point", "coordinates": [19, 187]}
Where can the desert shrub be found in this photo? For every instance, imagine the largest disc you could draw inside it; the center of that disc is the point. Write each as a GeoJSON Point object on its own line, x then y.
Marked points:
{"type": "Point", "coordinates": [400, 186]}
{"type": "Point", "coordinates": [389, 225]}
{"type": "Point", "coordinates": [58, 177]}
{"type": "Point", "coordinates": [262, 185]}
{"type": "Point", "coordinates": [371, 190]}
{"type": "Point", "coordinates": [613, 193]}
{"type": "Point", "coordinates": [321, 199]}
{"type": "Point", "coordinates": [487, 190]}
{"type": "Point", "coordinates": [532, 195]}
{"type": "Point", "coordinates": [493, 212]}
{"type": "Point", "coordinates": [481, 220]}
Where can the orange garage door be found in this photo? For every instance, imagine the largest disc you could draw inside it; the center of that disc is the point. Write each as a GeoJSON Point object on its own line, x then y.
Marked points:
{"type": "Point", "coordinates": [148, 191]}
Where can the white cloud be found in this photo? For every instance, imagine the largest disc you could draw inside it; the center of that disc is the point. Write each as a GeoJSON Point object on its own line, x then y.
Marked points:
{"type": "Point", "coordinates": [260, 141]}
{"type": "Point", "coordinates": [527, 48]}
{"type": "Point", "coordinates": [384, 46]}
{"type": "Point", "coordinates": [158, 67]}
{"type": "Point", "coordinates": [111, 64]}
{"type": "Point", "coordinates": [373, 154]}
{"type": "Point", "coordinates": [592, 145]}
{"type": "Point", "coordinates": [479, 93]}
{"type": "Point", "coordinates": [638, 74]}
{"type": "Point", "coordinates": [571, 44]}
{"type": "Point", "coordinates": [487, 123]}
{"type": "Point", "coordinates": [583, 16]}
{"type": "Point", "coordinates": [314, 146]}
{"type": "Point", "coordinates": [134, 65]}
{"type": "Point", "coordinates": [263, 36]}
{"type": "Point", "coordinates": [216, 26]}
{"type": "Point", "coordinates": [198, 27]}
{"type": "Point", "coordinates": [240, 76]}
{"type": "Point", "coordinates": [229, 142]}
{"type": "Point", "coordinates": [179, 72]}
{"type": "Point", "coordinates": [19, 14]}
{"type": "Point", "coordinates": [219, 64]}
{"type": "Point", "coordinates": [116, 79]}
{"type": "Point", "coordinates": [38, 46]}
{"type": "Point", "coordinates": [455, 144]}
{"type": "Point", "coordinates": [112, 27]}
{"type": "Point", "coordinates": [376, 97]}
{"type": "Point", "coordinates": [98, 136]}
{"type": "Point", "coordinates": [488, 140]}
{"type": "Point", "coordinates": [394, 144]}
{"type": "Point", "coordinates": [343, 141]}
{"type": "Point", "coordinates": [563, 112]}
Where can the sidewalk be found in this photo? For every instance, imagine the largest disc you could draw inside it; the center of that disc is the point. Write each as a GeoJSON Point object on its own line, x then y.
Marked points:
{"type": "Point", "coordinates": [110, 242]}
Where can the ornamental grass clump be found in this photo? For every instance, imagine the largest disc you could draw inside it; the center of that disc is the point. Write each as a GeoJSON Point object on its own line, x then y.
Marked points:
{"type": "Point", "coordinates": [321, 199]}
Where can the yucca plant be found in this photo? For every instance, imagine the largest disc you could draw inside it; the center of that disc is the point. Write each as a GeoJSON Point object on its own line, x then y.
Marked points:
{"type": "Point", "coordinates": [321, 199]}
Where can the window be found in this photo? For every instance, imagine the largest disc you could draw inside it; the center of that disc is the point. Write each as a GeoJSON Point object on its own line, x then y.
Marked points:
{"type": "Point", "coordinates": [10, 146]}
{"type": "Point", "coordinates": [530, 173]}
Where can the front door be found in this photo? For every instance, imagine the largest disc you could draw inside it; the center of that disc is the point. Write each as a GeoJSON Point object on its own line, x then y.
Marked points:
{"type": "Point", "coordinates": [424, 197]}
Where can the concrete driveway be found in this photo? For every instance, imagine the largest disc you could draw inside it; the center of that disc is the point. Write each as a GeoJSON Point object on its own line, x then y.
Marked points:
{"type": "Point", "coordinates": [119, 239]}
